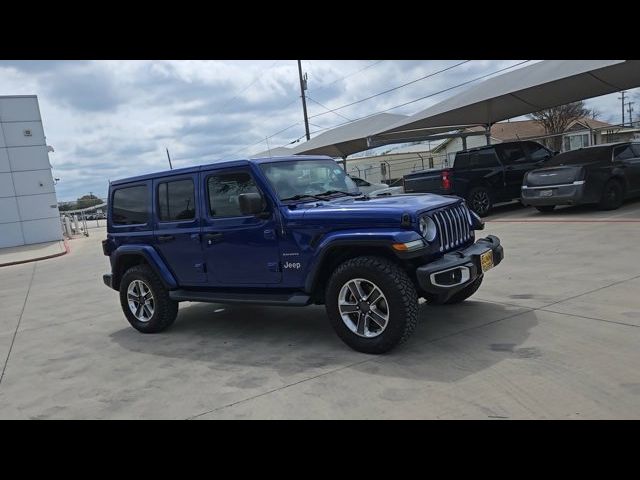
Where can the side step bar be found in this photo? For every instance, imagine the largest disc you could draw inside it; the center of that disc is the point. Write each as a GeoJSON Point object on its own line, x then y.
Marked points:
{"type": "Point", "coordinates": [288, 299]}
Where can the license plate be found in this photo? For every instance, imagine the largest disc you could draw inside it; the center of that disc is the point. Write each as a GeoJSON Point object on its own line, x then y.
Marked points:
{"type": "Point", "coordinates": [546, 193]}
{"type": "Point", "coordinates": [486, 260]}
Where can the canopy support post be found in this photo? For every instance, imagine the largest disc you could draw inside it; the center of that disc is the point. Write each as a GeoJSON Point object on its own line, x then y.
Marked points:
{"type": "Point", "coordinates": [487, 133]}
{"type": "Point", "coordinates": [464, 142]}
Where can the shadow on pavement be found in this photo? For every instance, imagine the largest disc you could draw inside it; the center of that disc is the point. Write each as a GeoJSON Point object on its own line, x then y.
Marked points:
{"type": "Point", "coordinates": [299, 340]}
{"type": "Point", "coordinates": [517, 210]}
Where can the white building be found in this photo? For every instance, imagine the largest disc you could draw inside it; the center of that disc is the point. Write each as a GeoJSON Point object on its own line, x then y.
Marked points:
{"type": "Point", "coordinates": [28, 205]}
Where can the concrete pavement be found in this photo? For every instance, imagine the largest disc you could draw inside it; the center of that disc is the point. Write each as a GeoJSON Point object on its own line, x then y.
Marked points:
{"type": "Point", "coordinates": [552, 333]}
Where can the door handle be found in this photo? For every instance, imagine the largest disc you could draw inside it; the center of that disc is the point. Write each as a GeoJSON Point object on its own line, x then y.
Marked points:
{"type": "Point", "coordinates": [213, 237]}
{"type": "Point", "coordinates": [166, 238]}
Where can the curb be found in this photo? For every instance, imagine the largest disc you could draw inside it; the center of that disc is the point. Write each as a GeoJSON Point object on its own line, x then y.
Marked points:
{"type": "Point", "coordinates": [46, 257]}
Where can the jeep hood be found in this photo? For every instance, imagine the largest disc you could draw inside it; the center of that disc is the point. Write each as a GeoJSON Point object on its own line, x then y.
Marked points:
{"type": "Point", "coordinates": [379, 210]}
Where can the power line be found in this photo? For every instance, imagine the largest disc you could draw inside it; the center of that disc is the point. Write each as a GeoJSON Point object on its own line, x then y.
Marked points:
{"type": "Point", "coordinates": [327, 108]}
{"type": "Point", "coordinates": [322, 87]}
{"type": "Point", "coordinates": [257, 78]}
{"type": "Point", "coordinates": [392, 89]}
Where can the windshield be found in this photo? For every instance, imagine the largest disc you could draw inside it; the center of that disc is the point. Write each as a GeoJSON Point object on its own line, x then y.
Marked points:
{"type": "Point", "coordinates": [298, 179]}
{"type": "Point", "coordinates": [581, 156]}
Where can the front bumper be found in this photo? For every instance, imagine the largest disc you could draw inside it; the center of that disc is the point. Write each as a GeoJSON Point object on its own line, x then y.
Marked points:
{"type": "Point", "coordinates": [456, 270]}
{"type": "Point", "coordinates": [571, 194]}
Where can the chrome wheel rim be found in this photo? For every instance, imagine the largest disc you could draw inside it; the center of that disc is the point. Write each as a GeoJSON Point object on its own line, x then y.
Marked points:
{"type": "Point", "coordinates": [141, 301]}
{"type": "Point", "coordinates": [363, 308]}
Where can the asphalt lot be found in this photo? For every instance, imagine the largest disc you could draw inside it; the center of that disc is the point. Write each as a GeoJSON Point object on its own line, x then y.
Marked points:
{"type": "Point", "coordinates": [553, 333]}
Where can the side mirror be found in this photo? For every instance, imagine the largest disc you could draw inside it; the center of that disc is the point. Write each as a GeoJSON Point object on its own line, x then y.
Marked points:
{"type": "Point", "coordinates": [250, 203]}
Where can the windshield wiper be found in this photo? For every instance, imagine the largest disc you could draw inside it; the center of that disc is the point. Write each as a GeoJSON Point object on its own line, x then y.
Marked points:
{"type": "Point", "coordinates": [300, 197]}
{"type": "Point", "coordinates": [333, 192]}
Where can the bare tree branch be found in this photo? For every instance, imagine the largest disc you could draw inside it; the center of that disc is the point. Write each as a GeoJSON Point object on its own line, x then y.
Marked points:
{"type": "Point", "coordinates": [557, 119]}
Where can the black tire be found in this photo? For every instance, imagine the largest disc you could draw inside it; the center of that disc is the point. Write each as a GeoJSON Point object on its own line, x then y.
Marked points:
{"type": "Point", "coordinates": [612, 195]}
{"type": "Point", "coordinates": [398, 290]}
{"type": "Point", "coordinates": [461, 296]}
{"type": "Point", "coordinates": [480, 201]}
{"type": "Point", "coordinates": [165, 309]}
{"type": "Point", "coordinates": [545, 208]}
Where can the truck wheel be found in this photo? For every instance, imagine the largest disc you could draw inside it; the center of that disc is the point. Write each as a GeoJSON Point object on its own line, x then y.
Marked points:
{"type": "Point", "coordinates": [145, 301]}
{"type": "Point", "coordinates": [459, 297]}
{"type": "Point", "coordinates": [372, 304]}
{"type": "Point", "coordinates": [479, 200]}
{"type": "Point", "coordinates": [612, 196]}
{"type": "Point", "coordinates": [545, 208]}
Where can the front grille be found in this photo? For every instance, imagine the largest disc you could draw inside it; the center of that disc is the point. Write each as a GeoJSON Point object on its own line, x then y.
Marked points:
{"type": "Point", "coordinates": [454, 227]}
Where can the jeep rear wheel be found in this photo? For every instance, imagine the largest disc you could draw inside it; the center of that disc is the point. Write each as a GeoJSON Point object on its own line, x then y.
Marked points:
{"type": "Point", "coordinates": [145, 301]}
{"type": "Point", "coordinates": [372, 304]}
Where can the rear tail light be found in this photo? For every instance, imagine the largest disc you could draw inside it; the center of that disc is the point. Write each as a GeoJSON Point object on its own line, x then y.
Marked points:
{"type": "Point", "coordinates": [446, 179]}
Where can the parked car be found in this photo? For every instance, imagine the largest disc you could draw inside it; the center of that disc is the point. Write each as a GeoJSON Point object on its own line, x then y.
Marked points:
{"type": "Point", "coordinates": [367, 187]}
{"type": "Point", "coordinates": [483, 176]}
{"type": "Point", "coordinates": [602, 175]}
{"type": "Point", "coordinates": [290, 231]}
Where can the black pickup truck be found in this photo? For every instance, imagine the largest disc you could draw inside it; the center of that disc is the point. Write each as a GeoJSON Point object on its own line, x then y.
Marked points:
{"type": "Point", "coordinates": [484, 176]}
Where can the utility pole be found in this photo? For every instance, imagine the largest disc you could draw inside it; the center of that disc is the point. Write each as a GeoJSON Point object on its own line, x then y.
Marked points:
{"type": "Point", "coordinates": [622, 98]}
{"type": "Point", "coordinates": [303, 87]}
{"type": "Point", "coordinates": [630, 109]}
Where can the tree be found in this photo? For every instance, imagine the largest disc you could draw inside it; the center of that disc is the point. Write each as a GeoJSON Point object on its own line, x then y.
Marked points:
{"type": "Point", "coordinates": [88, 201]}
{"type": "Point", "coordinates": [557, 119]}
{"type": "Point", "coordinates": [66, 207]}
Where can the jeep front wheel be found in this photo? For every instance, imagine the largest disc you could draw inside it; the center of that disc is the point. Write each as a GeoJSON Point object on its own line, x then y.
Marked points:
{"type": "Point", "coordinates": [145, 301]}
{"type": "Point", "coordinates": [372, 304]}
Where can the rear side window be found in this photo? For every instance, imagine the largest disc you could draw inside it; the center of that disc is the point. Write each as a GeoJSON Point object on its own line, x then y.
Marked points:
{"type": "Point", "coordinates": [131, 205]}
{"type": "Point", "coordinates": [512, 154]}
{"type": "Point", "coordinates": [537, 152]}
{"type": "Point", "coordinates": [485, 158]}
{"type": "Point", "coordinates": [623, 153]}
{"type": "Point", "coordinates": [636, 149]}
{"type": "Point", "coordinates": [176, 201]}
{"type": "Point", "coordinates": [224, 190]}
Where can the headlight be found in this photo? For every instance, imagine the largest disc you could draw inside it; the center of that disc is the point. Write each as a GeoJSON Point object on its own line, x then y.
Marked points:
{"type": "Point", "coordinates": [427, 229]}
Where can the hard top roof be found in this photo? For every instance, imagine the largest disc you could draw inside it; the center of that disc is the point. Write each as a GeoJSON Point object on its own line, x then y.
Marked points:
{"type": "Point", "coordinates": [215, 165]}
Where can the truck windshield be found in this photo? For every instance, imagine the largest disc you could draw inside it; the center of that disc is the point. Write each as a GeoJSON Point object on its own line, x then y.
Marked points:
{"type": "Point", "coordinates": [298, 179]}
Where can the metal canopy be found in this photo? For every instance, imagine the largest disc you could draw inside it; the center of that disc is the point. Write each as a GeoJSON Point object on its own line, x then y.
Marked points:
{"type": "Point", "coordinates": [274, 152]}
{"type": "Point", "coordinates": [545, 84]}
{"type": "Point", "coordinates": [348, 139]}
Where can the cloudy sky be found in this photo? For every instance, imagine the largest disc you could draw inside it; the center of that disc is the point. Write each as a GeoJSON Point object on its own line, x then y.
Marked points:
{"type": "Point", "coordinates": [113, 119]}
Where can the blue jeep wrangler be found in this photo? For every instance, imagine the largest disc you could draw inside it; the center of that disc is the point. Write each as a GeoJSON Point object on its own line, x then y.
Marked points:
{"type": "Point", "coordinates": [290, 231]}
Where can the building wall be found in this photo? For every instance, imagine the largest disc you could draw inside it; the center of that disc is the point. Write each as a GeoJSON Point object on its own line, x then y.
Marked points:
{"type": "Point", "coordinates": [28, 205]}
